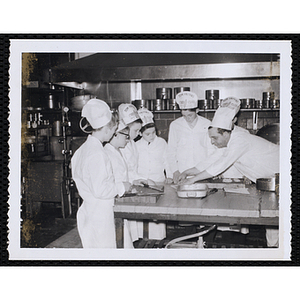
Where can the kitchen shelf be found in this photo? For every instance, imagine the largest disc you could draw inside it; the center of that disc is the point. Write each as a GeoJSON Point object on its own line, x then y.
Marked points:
{"type": "Point", "coordinates": [213, 110]}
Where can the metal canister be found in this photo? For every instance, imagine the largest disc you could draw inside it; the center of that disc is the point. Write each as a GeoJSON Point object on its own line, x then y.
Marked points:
{"type": "Point", "coordinates": [259, 104]}
{"type": "Point", "coordinates": [173, 105]}
{"type": "Point", "coordinates": [275, 103]}
{"type": "Point", "coordinates": [267, 98]}
{"type": "Point", "coordinates": [158, 104]}
{"type": "Point", "coordinates": [211, 94]}
{"type": "Point", "coordinates": [247, 103]}
{"type": "Point", "coordinates": [150, 104]}
{"type": "Point", "coordinates": [163, 93]}
{"type": "Point", "coordinates": [216, 103]}
{"type": "Point", "coordinates": [50, 101]}
{"type": "Point", "coordinates": [204, 104]}
{"type": "Point", "coordinates": [180, 89]}
{"type": "Point", "coordinates": [57, 129]}
{"type": "Point", "coordinates": [139, 103]}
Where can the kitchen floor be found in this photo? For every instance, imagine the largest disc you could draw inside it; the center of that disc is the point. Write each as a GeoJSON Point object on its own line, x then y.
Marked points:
{"type": "Point", "coordinates": [48, 225]}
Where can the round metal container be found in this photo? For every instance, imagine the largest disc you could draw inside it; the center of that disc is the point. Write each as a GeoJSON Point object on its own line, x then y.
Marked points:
{"type": "Point", "coordinates": [180, 89]}
{"type": "Point", "coordinates": [165, 104]}
{"type": "Point", "coordinates": [266, 184]}
{"type": "Point", "coordinates": [275, 103]}
{"type": "Point", "coordinates": [266, 104]}
{"type": "Point", "coordinates": [163, 93]}
{"type": "Point", "coordinates": [259, 104]}
{"type": "Point", "coordinates": [140, 103]}
{"type": "Point", "coordinates": [216, 103]}
{"type": "Point", "coordinates": [196, 190]}
{"type": "Point", "coordinates": [158, 104]}
{"type": "Point", "coordinates": [268, 95]}
{"type": "Point", "coordinates": [248, 103]}
{"type": "Point", "coordinates": [151, 104]}
{"type": "Point", "coordinates": [173, 105]}
{"type": "Point", "coordinates": [211, 94]}
{"type": "Point", "coordinates": [204, 104]}
{"type": "Point", "coordinates": [57, 129]}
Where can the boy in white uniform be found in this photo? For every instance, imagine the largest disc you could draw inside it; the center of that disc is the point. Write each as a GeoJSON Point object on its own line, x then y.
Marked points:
{"type": "Point", "coordinates": [93, 176]}
{"type": "Point", "coordinates": [186, 135]}
{"type": "Point", "coordinates": [152, 162]}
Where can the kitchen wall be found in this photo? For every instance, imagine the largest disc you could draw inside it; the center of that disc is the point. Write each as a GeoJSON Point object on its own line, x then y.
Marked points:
{"type": "Point", "coordinates": [116, 93]}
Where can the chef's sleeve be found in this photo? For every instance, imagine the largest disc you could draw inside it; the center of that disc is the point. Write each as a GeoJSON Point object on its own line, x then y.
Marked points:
{"type": "Point", "coordinates": [172, 150]}
{"type": "Point", "coordinates": [169, 173]}
{"type": "Point", "coordinates": [102, 183]}
{"type": "Point", "coordinates": [230, 155]}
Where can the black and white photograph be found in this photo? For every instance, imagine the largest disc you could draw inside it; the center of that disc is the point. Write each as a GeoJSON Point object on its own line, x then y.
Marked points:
{"type": "Point", "coordinates": [150, 150]}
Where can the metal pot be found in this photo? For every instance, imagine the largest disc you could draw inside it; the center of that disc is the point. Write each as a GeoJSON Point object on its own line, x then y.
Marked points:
{"type": "Point", "coordinates": [259, 104]}
{"type": "Point", "coordinates": [204, 104]}
{"type": "Point", "coordinates": [216, 103]}
{"type": "Point", "coordinates": [140, 103]}
{"type": "Point", "coordinates": [178, 90]}
{"type": "Point", "coordinates": [275, 103]}
{"type": "Point", "coordinates": [211, 94]}
{"type": "Point", "coordinates": [268, 95]}
{"type": "Point", "coordinates": [247, 103]}
{"type": "Point", "coordinates": [173, 105]}
{"type": "Point", "coordinates": [79, 101]}
{"type": "Point", "coordinates": [163, 93]}
{"type": "Point", "coordinates": [196, 190]}
{"type": "Point", "coordinates": [266, 184]}
{"type": "Point", "coordinates": [151, 104]}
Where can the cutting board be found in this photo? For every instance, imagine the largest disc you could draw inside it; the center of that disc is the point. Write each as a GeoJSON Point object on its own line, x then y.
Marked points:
{"type": "Point", "coordinates": [142, 195]}
{"type": "Point", "coordinates": [224, 182]}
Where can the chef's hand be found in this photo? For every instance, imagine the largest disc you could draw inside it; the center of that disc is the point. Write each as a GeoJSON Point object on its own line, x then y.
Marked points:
{"type": "Point", "coordinates": [127, 186]}
{"type": "Point", "coordinates": [168, 180]}
{"type": "Point", "coordinates": [176, 175]}
{"type": "Point", "coordinates": [187, 181]}
{"type": "Point", "coordinates": [182, 177]}
{"type": "Point", "coordinates": [140, 182]}
{"type": "Point", "coordinates": [151, 182]}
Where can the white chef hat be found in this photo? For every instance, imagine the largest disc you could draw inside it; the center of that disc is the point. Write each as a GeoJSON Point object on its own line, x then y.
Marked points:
{"type": "Point", "coordinates": [146, 116]}
{"type": "Point", "coordinates": [97, 112]}
{"type": "Point", "coordinates": [121, 126]}
{"type": "Point", "coordinates": [128, 113]}
{"type": "Point", "coordinates": [225, 114]}
{"type": "Point", "coordinates": [187, 100]}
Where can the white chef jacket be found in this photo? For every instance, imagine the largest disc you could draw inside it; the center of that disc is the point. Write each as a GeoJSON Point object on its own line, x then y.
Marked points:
{"type": "Point", "coordinates": [152, 159]}
{"type": "Point", "coordinates": [131, 157]}
{"type": "Point", "coordinates": [253, 156]}
{"type": "Point", "coordinates": [156, 231]}
{"type": "Point", "coordinates": [185, 149]}
{"type": "Point", "coordinates": [214, 153]}
{"type": "Point", "coordinates": [93, 176]}
{"type": "Point", "coordinates": [118, 163]}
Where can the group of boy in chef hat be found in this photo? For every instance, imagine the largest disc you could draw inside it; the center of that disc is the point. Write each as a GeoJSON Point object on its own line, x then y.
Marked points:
{"type": "Point", "coordinates": [99, 114]}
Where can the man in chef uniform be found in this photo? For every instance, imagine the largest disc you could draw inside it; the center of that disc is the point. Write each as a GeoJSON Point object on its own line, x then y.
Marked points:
{"type": "Point", "coordinates": [186, 135]}
{"type": "Point", "coordinates": [253, 156]}
{"type": "Point", "coordinates": [93, 176]}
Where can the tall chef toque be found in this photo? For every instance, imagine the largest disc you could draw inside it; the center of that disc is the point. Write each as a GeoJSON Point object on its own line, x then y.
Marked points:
{"type": "Point", "coordinates": [225, 114]}
{"type": "Point", "coordinates": [187, 100]}
{"type": "Point", "coordinates": [128, 113]}
{"type": "Point", "coordinates": [146, 116]}
{"type": "Point", "coordinates": [97, 112]}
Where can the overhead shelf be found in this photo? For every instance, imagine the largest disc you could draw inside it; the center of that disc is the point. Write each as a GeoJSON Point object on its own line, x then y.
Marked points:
{"type": "Point", "coordinates": [164, 66]}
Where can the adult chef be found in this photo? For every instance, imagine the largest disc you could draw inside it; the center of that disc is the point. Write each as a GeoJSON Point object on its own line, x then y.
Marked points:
{"type": "Point", "coordinates": [253, 156]}
{"type": "Point", "coordinates": [94, 179]}
{"type": "Point", "coordinates": [185, 147]}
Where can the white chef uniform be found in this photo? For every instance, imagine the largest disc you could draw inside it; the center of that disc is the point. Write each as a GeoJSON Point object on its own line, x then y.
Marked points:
{"type": "Point", "coordinates": [185, 149]}
{"type": "Point", "coordinates": [152, 159]}
{"type": "Point", "coordinates": [252, 156]}
{"type": "Point", "coordinates": [185, 144]}
{"type": "Point", "coordinates": [92, 173]}
{"type": "Point", "coordinates": [151, 165]}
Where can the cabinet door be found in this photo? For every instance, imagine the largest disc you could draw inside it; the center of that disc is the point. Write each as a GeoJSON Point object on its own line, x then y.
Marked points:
{"type": "Point", "coordinates": [44, 181]}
